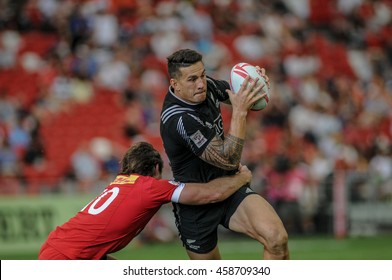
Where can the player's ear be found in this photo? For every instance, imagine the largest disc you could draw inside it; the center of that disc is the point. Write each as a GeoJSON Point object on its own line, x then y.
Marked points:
{"type": "Point", "coordinates": [157, 173]}
{"type": "Point", "coordinates": [173, 82]}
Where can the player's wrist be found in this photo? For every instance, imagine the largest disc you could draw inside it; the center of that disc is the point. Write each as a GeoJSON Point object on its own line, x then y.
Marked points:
{"type": "Point", "coordinates": [239, 113]}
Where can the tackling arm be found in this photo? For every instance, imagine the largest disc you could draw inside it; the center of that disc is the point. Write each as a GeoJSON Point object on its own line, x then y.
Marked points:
{"type": "Point", "coordinates": [216, 190]}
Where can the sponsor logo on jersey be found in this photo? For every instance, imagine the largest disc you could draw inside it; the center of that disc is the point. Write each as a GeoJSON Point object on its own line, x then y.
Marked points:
{"type": "Point", "coordinates": [198, 138]}
{"type": "Point", "coordinates": [123, 179]}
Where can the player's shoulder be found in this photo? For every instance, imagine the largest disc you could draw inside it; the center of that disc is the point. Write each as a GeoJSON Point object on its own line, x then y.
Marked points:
{"type": "Point", "coordinates": [217, 83]}
{"type": "Point", "coordinates": [174, 112]}
{"type": "Point", "coordinates": [144, 181]}
{"type": "Point", "coordinates": [218, 87]}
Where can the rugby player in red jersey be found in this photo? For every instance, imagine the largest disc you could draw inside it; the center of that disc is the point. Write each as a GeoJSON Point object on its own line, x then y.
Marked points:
{"type": "Point", "coordinates": [110, 221]}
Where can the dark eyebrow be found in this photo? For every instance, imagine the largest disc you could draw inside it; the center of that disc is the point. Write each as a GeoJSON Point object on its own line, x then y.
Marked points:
{"type": "Point", "coordinates": [195, 76]}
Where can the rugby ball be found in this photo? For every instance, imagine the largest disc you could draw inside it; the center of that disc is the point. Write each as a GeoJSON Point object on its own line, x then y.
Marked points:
{"type": "Point", "coordinates": [237, 76]}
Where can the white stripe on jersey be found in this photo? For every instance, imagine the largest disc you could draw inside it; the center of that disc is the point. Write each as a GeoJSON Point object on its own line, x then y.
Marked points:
{"type": "Point", "coordinates": [174, 110]}
{"type": "Point", "coordinates": [181, 130]}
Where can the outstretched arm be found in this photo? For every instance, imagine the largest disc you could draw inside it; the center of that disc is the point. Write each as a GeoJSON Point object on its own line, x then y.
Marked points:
{"type": "Point", "coordinates": [216, 190]}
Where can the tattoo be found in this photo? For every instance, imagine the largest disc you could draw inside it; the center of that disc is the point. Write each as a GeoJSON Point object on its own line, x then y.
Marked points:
{"type": "Point", "coordinates": [224, 154]}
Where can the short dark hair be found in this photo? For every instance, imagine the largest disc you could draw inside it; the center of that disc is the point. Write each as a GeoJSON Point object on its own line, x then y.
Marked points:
{"type": "Point", "coordinates": [182, 58]}
{"type": "Point", "coordinates": [141, 159]}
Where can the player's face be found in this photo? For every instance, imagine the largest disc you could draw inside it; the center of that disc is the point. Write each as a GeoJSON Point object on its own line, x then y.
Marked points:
{"type": "Point", "coordinates": [192, 85]}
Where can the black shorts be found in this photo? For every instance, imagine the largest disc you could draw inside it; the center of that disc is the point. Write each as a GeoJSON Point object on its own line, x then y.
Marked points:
{"type": "Point", "coordinates": [198, 224]}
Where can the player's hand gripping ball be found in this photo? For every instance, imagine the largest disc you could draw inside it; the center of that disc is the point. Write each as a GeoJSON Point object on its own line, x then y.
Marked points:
{"type": "Point", "coordinates": [237, 76]}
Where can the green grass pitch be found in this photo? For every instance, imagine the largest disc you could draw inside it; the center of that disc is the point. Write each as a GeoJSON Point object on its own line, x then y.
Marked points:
{"type": "Point", "coordinates": [301, 248]}
{"type": "Point", "coordinates": [312, 248]}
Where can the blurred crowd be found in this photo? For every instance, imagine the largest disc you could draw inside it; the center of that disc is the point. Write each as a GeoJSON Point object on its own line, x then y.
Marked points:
{"type": "Point", "coordinates": [329, 62]}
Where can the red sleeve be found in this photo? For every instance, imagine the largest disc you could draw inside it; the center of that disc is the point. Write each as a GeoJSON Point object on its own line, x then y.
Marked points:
{"type": "Point", "coordinates": [161, 191]}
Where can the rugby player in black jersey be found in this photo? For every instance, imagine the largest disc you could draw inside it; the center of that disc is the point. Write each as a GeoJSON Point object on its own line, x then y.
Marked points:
{"type": "Point", "coordinates": [192, 133]}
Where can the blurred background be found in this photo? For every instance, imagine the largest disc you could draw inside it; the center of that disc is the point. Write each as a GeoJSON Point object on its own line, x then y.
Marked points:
{"type": "Point", "coordinates": [80, 81]}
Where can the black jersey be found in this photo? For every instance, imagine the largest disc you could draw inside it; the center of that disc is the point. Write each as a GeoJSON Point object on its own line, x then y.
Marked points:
{"type": "Point", "coordinates": [186, 129]}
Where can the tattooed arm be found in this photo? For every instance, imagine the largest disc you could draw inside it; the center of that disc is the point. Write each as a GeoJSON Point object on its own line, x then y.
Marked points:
{"type": "Point", "coordinates": [226, 153]}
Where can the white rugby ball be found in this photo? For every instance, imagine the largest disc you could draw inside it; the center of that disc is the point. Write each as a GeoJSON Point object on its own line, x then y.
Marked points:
{"type": "Point", "coordinates": [237, 76]}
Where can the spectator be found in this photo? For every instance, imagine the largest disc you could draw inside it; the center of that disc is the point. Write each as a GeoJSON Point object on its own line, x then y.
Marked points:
{"type": "Point", "coordinates": [105, 28]}
{"type": "Point", "coordinates": [115, 73]}
{"type": "Point", "coordinates": [86, 167]}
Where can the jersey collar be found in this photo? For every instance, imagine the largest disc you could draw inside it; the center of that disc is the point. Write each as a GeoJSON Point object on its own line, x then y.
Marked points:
{"type": "Point", "coordinates": [171, 91]}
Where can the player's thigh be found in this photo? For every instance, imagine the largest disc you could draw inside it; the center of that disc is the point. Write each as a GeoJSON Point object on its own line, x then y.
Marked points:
{"type": "Point", "coordinates": [256, 218]}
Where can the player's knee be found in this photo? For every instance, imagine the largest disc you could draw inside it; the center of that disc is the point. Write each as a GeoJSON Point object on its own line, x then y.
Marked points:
{"type": "Point", "coordinates": [277, 241]}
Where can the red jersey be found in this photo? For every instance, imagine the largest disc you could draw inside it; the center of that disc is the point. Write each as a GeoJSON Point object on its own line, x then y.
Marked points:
{"type": "Point", "coordinates": [110, 221]}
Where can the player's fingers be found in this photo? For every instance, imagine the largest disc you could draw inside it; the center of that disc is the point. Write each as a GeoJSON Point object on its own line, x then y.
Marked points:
{"type": "Point", "coordinates": [262, 73]}
{"type": "Point", "coordinates": [257, 89]}
{"type": "Point", "coordinates": [257, 97]}
{"type": "Point", "coordinates": [245, 83]}
{"type": "Point", "coordinates": [260, 70]}
{"type": "Point", "coordinates": [253, 86]}
{"type": "Point", "coordinates": [230, 92]}
{"type": "Point", "coordinates": [267, 81]}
